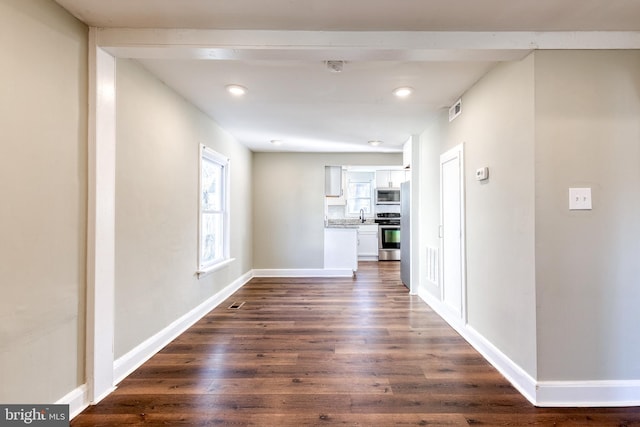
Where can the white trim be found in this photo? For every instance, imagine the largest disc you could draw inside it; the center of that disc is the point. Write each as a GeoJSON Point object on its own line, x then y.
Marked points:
{"type": "Point", "coordinates": [443, 311]}
{"type": "Point", "coordinates": [126, 364]}
{"type": "Point", "coordinates": [588, 393]}
{"type": "Point", "coordinates": [77, 399]}
{"type": "Point", "coordinates": [312, 45]}
{"type": "Point", "coordinates": [206, 271]}
{"type": "Point", "coordinates": [415, 223]}
{"type": "Point", "coordinates": [517, 376]}
{"type": "Point", "coordinates": [100, 221]}
{"type": "Point", "coordinates": [521, 380]}
{"type": "Point", "coordinates": [225, 163]}
{"type": "Point", "coordinates": [304, 272]}
{"type": "Point", "coordinates": [456, 152]}
{"type": "Point", "coordinates": [541, 393]}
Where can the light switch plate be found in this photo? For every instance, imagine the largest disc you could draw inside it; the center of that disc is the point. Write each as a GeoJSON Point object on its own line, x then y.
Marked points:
{"type": "Point", "coordinates": [579, 199]}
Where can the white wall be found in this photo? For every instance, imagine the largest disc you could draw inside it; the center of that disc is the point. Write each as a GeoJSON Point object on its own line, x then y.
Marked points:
{"type": "Point", "coordinates": [158, 137]}
{"type": "Point", "coordinates": [588, 274]}
{"type": "Point", "coordinates": [289, 205]}
{"type": "Point", "coordinates": [43, 186]}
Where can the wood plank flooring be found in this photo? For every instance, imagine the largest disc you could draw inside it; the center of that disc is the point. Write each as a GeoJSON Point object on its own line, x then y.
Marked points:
{"type": "Point", "coordinates": [307, 352]}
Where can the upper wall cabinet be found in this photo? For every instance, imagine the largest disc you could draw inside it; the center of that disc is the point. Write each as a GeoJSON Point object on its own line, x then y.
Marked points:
{"type": "Point", "coordinates": [333, 181]}
{"type": "Point", "coordinates": [390, 178]}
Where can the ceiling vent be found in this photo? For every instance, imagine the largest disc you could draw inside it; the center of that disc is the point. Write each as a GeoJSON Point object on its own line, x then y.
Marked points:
{"type": "Point", "coordinates": [335, 66]}
{"type": "Point", "coordinates": [455, 110]}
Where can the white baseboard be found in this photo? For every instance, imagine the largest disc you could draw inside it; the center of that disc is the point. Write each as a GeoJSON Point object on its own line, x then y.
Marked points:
{"type": "Point", "coordinates": [126, 364]}
{"type": "Point", "coordinates": [588, 393]}
{"type": "Point", "coordinates": [521, 380]}
{"type": "Point", "coordinates": [541, 393]}
{"type": "Point", "coordinates": [439, 307]}
{"type": "Point", "coordinates": [77, 399]}
{"type": "Point", "coordinates": [303, 272]}
{"type": "Point", "coordinates": [518, 377]}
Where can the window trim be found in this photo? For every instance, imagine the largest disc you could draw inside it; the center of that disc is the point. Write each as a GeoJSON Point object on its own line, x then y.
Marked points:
{"type": "Point", "coordinates": [207, 153]}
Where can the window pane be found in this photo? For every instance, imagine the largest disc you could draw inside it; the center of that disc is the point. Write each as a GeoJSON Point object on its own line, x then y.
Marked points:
{"type": "Point", "coordinates": [211, 238]}
{"type": "Point", "coordinates": [213, 245]}
{"type": "Point", "coordinates": [359, 195]}
{"type": "Point", "coordinates": [356, 204]}
{"type": "Point", "coordinates": [211, 185]}
{"type": "Point", "coordinates": [359, 189]}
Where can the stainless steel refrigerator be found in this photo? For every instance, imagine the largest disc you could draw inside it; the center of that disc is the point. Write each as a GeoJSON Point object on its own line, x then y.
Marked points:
{"type": "Point", "coordinates": [405, 233]}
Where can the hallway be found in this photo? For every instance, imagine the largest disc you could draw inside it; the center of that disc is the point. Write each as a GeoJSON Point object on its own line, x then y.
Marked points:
{"type": "Point", "coordinates": [301, 351]}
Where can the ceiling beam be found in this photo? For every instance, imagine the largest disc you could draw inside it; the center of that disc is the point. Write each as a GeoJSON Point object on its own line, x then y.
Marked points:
{"type": "Point", "coordinates": [350, 45]}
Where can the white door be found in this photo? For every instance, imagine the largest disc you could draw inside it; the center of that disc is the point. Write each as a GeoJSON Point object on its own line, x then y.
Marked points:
{"type": "Point", "coordinates": [452, 230]}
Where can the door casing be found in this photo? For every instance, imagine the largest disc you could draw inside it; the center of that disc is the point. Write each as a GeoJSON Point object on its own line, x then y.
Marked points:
{"type": "Point", "coordinates": [452, 232]}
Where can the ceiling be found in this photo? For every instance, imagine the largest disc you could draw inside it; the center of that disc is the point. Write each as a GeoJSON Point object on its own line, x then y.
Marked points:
{"type": "Point", "coordinates": [278, 50]}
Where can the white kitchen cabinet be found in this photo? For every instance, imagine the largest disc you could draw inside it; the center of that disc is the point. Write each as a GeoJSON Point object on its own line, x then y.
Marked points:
{"type": "Point", "coordinates": [368, 242]}
{"type": "Point", "coordinates": [390, 178]}
{"type": "Point", "coordinates": [383, 178]}
{"type": "Point", "coordinates": [341, 248]}
{"type": "Point", "coordinates": [398, 177]}
{"type": "Point", "coordinates": [333, 181]}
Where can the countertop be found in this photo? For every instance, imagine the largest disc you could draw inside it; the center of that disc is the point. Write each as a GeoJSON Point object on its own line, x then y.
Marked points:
{"type": "Point", "coordinates": [347, 223]}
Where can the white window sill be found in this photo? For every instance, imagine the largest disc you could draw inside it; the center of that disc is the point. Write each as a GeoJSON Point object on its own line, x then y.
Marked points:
{"type": "Point", "coordinates": [208, 270]}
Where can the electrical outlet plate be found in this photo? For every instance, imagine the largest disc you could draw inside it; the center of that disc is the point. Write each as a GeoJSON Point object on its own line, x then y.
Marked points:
{"type": "Point", "coordinates": [579, 199]}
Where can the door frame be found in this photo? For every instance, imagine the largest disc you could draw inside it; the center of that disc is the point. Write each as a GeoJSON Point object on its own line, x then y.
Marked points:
{"type": "Point", "coordinates": [100, 263]}
{"type": "Point", "coordinates": [455, 152]}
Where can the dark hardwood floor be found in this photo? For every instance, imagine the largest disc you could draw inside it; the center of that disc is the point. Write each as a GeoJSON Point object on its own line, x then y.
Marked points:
{"type": "Point", "coordinates": [355, 352]}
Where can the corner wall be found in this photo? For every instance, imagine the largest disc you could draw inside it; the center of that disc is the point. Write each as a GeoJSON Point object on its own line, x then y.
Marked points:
{"type": "Point", "coordinates": [550, 291]}
{"type": "Point", "coordinates": [588, 135]}
{"type": "Point", "coordinates": [496, 128]}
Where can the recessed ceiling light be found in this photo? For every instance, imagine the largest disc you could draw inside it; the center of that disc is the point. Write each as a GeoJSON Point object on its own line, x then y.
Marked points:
{"type": "Point", "coordinates": [236, 90]}
{"type": "Point", "coordinates": [375, 143]}
{"type": "Point", "coordinates": [276, 141]}
{"type": "Point", "coordinates": [403, 92]}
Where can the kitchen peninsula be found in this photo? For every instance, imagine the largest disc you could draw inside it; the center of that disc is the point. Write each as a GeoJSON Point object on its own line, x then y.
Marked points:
{"type": "Point", "coordinates": [341, 247]}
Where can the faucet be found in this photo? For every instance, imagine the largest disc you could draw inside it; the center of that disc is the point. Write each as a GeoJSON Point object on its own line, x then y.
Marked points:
{"type": "Point", "coordinates": [362, 215]}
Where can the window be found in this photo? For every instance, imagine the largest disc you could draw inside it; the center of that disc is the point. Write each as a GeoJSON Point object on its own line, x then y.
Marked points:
{"type": "Point", "coordinates": [214, 211]}
{"type": "Point", "coordinates": [359, 192]}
